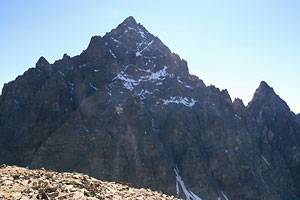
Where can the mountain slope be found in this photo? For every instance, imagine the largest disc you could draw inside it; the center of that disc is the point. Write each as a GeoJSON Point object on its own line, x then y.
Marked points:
{"type": "Point", "coordinates": [21, 183]}
{"type": "Point", "coordinates": [127, 109]}
{"type": "Point", "coordinates": [279, 136]}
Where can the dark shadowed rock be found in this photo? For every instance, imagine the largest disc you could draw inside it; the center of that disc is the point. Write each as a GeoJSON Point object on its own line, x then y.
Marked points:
{"type": "Point", "coordinates": [298, 118]}
{"type": "Point", "coordinates": [265, 96]}
{"type": "Point", "coordinates": [278, 139]}
{"type": "Point", "coordinates": [41, 62]}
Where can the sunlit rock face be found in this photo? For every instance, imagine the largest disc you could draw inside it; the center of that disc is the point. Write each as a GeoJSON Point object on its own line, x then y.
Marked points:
{"type": "Point", "coordinates": [127, 109]}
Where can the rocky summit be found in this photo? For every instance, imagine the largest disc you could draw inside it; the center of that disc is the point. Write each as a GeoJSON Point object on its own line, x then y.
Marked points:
{"type": "Point", "coordinates": [126, 109]}
{"type": "Point", "coordinates": [24, 184]}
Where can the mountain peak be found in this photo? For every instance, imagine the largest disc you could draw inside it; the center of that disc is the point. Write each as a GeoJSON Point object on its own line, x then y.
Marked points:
{"type": "Point", "coordinates": [265, 97]}
{"type": "Point", "coordinates": [129, 21]}
{"type": "Point", "coordinates": [264, 91]}
{"type": "Point", "coordinates": [238, 102]}
{"type": "Point", "coordinates": [263, 86]}
{"type": "Point", "coordinates": [41, 62]}
{"type": "Point", "coordinates": [130, 24]}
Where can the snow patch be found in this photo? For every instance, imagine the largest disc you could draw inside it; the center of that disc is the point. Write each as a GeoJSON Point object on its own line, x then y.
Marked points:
{"type": "Point", "coordinates": [188, 86]}
{"type": "Point", "coordinates": [180, 100]}
{"type": "Point", "coordinates": [85, 129]}
{"type": "Point", "coordinates": [96, 70]}
{"type": "Point", "coordinates": [130, 28]}
{"type": "Point", "coordinates": [108, 90]}
{"type": "Point", "coordinates": [72, 89]}
{"type": "Point", "coordinates": [71, 83]}
{"type": "Point", "coordinates": [125, 31]}
{"type": "Point", "coordinates": [142, 94]}
{"type": "Point", "coordinates": [178, 79]}
{"type": "Point", "coordinates": [159, 75]}
{"type": "Point", "coordinates": [237, 116]}
{"type": "Point", "coordinates": [116, 41]}
{"type": "Point", "coordinates": [113, 55]}
{"type": "Point", "coordinates": [146, 47]}
{"type": "Point", "coordinates": [189, 195]}
{"type": "Point", "coordinates": [61, 73]}
{"type": "Point", "coordinates": [226, 198]}
{"type": "Point", "coordinates": [139, 52]}
{"type": "Point", "coordinates": [266, 161]}
{"type": "Point", "coordinates": [129, 83]}
{"type": "Point", "coordinates": [92, 86]}
{"type": "Point", "coordinates": [181, 82]}
{"type": "Point", "coordinates": [142, 33]}
{"type": "Point", "coordinates": [148, 62]}
{"type": "Point", "coordinates": [145, 70]}
{"type": "Point", "coordinates": [80, 66]}
{"type": "Point", "coordinates": [153, 125]}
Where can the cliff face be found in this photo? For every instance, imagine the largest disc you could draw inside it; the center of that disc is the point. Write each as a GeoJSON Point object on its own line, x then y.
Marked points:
{"type": "Point", "coordinates": [278, 137]}
{"type": "Point", "coordinates": [128, 110]}
{"type": "Point", "coordinates": [298, 118]}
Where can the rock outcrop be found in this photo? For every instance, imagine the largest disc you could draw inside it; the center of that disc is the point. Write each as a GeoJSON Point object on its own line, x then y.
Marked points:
{"type": "Point", "coordinates": [126, 109]}
{"type": "Point", "coordinates": [24, 184]}
{"type": "Point", "coordinates": [298, 118]}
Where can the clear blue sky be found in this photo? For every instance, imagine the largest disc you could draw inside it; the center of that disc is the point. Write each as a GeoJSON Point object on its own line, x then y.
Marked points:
{"type": "Point", "coordinates": [228, 43]}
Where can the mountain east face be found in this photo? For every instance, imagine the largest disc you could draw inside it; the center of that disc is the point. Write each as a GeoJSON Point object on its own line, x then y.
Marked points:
{"type": "Point", "coordinates": [126, 109]}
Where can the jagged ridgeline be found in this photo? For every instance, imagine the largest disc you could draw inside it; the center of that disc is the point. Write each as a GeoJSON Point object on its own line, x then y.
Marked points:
{"type": "Point", "coordinates": [126, 109]}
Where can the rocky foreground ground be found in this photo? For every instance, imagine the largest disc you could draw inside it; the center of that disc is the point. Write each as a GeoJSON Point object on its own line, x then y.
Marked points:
{"type": "Point", "coordinates": [21, 183]}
